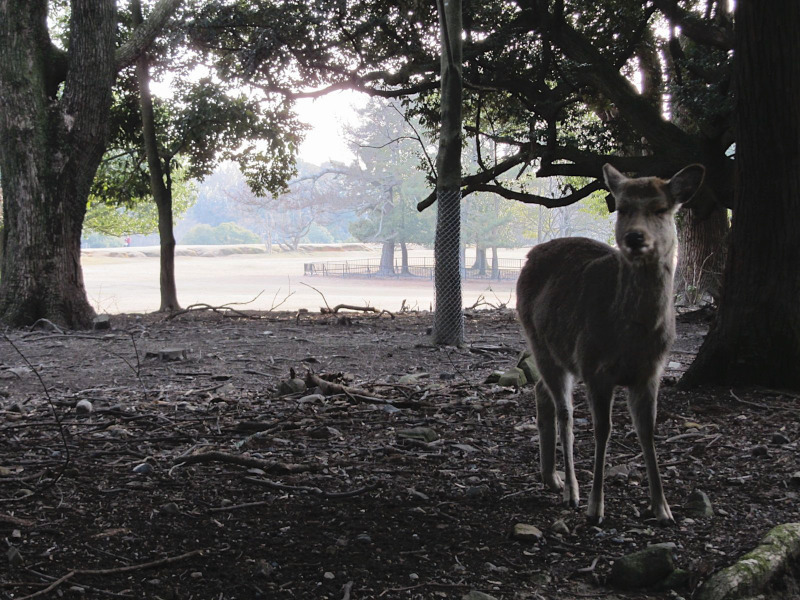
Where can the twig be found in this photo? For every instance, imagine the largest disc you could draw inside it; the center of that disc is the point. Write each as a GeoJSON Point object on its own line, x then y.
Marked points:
{"type": "Point", "coordinates": [320, 293]}
{"type": "Point", "coordinates": [148, 565]}
{"type": "Point", "coordinates": [328, 388]}
{"type": "Point", "coordinates": [310, 489]}
{"type": "Point", "coordinates": [223, 308]}
{"type": "Point", "coordinates": [338, 307]}
{"type": "Point", "coordinates": [244, 461]}
{"type": "Point", "coordinates": [57, 417]}
{"type": "Point", "coordinates": [346, 589]}
{"type": "Point", "coordinates": [747, 402]}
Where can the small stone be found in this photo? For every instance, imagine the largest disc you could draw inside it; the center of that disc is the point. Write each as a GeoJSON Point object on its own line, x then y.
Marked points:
{"type": "Point", "coordinates": [760, 450]}
{"type": "Point", "coordinates": [423, 434]}
{"type": "Point", "coordinates": [363, 538]}
{"type": "Point", "coordinates": [328, 576]}
{"type": "Point", "coordinates": [560, 526]}
{"type": "Point", "coordinates": [413, 577]}
{"type": "Point", "coordinates": [476, 595]}
{"type": "Point", "coordinates": [172, 354]}
{"type": "Point", "coordinates": [527, 363]}
{"type": "Point", "coordinates": [101, 322]}
{"type": "Point", "coordinates": [196, 575]}
{"type": "Point", "coordinates": [618, 473]}
{"type": "Point", "coordinates": [477, 491]}
{"type": "Point", "coordinates": [794, 480]}
{"type": "Point", "coordinates": [170, 508]}
{"type": "Point", "coordinates": [14, 557]}
{"type": "Point", "coordinates": [291, 386]}
{"type": "Point", "coordinates": [143, 468]}
{"type": "Point", "coordinates": [642, 569]}
{"type": "Point", "coordinates": [514, 377]}
{"type": "Point", "coordinates": [779, 438]}
{"type": "Point", "coordinates": [494, 377]}
{"type": "Point", "coordinates": [84, 407]}
{"type": "Point", "coordinates": [413, 378]}
{"type": "Point", "coordinates": [526, 533]}
{"type": "Point", "coordinates": [699, 505]}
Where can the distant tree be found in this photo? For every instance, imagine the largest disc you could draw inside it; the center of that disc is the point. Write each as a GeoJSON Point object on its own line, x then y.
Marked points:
{"type": "Point", "coordinates": [225, 233]}
{"type": "Point", "coordinates": [385, 183]}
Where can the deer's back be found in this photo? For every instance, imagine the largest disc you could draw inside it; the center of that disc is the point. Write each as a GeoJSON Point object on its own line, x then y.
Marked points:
{"type": "Point", "coordinates": [569, 306]}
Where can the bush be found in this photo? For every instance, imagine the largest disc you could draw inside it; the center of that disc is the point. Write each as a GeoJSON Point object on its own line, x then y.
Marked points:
{"type": "Point", "coordinates": [98, 240]}
{"type": "Point", "coordinates": [225, 233]}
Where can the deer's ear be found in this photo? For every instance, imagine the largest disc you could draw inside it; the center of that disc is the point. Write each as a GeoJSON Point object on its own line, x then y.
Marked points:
{"type": "Point", "coordinates": [613, 178]}
{"type": "Point", "coordinates": [685, 183]}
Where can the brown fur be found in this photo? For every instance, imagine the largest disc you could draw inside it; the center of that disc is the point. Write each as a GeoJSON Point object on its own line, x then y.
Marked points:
{"type": "Point", "coordinates": [605, 315]}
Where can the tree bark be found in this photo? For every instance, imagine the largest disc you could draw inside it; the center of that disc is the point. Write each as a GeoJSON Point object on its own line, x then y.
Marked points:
{"type": "Point", "coordinates": [495, 263]}
{"type": "Point", "coordinates": [404, 258]}
{"type": "Point", "coordinates": [701, 256]}
{"type": "Point", "coordinates": [162, 193]}
{"type": "Point", "coordinates": [387, 259]}
{"type": "Point", "coordinates": [756, 337]}
{"type": "Point", "coordinates": [480, 260]}
{"type": "Point", "coordinates": [448, 326]}
{"type": "Point", "coordinates": [50, 148]}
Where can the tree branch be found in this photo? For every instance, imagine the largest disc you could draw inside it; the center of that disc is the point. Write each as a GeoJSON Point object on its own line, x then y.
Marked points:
{"type": "Point", "coordinates": [144, 35]}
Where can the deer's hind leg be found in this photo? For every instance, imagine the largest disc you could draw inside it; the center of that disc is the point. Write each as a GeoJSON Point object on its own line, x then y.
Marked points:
{"type": "Point", "coordinates": [554, 403]}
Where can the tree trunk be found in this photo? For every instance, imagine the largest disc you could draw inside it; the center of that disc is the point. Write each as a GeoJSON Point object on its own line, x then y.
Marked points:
{"type": "Point", "coordinates": [495, 263]}
{"type": "Point", "coordinates": [162, 193]}
{"type": "Point", "coordinates": [756, 337]}
{"type": "Point", "coordinates": [448, 326]}
{"type": "Point", "coordinates": [387, 259]}
{"type": "Point", "coordinates": [480, 260]}
{"type": "Point", "coordinates": [701, 257]}
{"type": "Point", "coordinates": [50, 147]}
{"type": "Point", "coordinates": [404, 258]}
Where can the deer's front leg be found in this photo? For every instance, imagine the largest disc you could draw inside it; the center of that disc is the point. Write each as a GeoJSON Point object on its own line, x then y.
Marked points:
{"type": "Point", "coordinates": [642, 402]}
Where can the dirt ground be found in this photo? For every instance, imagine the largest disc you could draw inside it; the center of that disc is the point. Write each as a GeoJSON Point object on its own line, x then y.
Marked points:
{"type": "Point", "coordinates": [195, 477]}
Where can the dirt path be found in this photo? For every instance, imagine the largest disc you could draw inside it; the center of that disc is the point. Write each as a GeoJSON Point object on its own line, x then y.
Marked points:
{"type": "Point", "coordinates": [121, 281]}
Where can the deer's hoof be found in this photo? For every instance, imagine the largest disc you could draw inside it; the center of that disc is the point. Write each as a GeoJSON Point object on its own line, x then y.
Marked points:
{"type": "Point", "coordinates": [594, 519]}
{"type": "Point", "coordinates": [553, 482]}
{"type": "Point", "coordinates": [663, 516]}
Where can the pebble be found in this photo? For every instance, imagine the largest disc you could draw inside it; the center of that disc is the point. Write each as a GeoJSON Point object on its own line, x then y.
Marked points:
{"type": "Point", "coordinates": [84, 407]}
{"type": "Point", "coordinates": [699, 505]}
{"type": "Point", "coordinates": [560, 526]}
{"type": "Point", "coordinates": [760, 450]}
{"type": "Point", "coordinates": [526, 533]}
{"type": "Point", "coordinates": [328, 576]}
{"type": "Point", "coordinates": [143, 468]}
{"type": "Point", "coordinates": [779, 438]}
{"type": "Point", "coordinates": [476, 595]}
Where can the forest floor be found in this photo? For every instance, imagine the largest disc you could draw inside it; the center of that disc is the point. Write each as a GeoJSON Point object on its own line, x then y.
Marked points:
{"type": "Point", "coordinates": [195, 478]}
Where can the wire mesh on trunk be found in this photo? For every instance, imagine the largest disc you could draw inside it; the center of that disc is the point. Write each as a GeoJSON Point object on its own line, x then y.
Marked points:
{"type": "Point", "coordinates": [448, 321]}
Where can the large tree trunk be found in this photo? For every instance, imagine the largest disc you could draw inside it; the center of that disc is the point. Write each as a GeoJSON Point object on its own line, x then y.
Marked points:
{"type": "Point", "coordinates": [448, 326]}
{"type": "Point", "coordinates": [480, 260]}
{"type": "Point", "coordinates": [162, 193]}
{"type": "Point", "coordinates": [756, 337]}
{"type": "Point", "coordinates": [701, 257]}
{"type": "Point", "coordinates": [50, 147]}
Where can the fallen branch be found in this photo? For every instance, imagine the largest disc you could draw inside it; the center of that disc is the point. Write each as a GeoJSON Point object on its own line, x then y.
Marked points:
{"type": "Point", "coordinates": [223, 309]}
{"type": "Point", "coordinates": [244, 461]}
{"type": "Point", "coordinates": [310, 489]}
{"type": "Point", "coordinates": [148, 565]}
{"type": "Point", "coordinates": [338, 307]}
{"type": "Point", "coordinates": [328, 388]}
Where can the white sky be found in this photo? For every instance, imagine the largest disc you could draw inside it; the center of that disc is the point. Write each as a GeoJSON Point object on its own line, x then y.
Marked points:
{"type": "Point", "coordinates": [327, 116]}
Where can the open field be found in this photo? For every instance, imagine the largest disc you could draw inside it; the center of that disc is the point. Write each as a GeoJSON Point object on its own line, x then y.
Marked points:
{"type": "Point", "coordinates": [125, 280]}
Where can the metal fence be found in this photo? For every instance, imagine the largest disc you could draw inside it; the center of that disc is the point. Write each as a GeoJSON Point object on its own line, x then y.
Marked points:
{"type": "Point", "coordinates": [504, 269]}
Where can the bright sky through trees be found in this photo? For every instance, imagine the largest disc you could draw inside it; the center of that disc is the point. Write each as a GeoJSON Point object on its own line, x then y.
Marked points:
{"type": "Point", "coordinates": [327, 117]}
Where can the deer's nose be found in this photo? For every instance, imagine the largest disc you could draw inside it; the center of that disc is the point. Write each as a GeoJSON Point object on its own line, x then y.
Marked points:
{"type": "Point", "coordinates": [634, 240]}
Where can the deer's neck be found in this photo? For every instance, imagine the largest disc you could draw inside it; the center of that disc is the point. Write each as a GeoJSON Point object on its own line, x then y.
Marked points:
{"type": "Point", "coordinates": [644, 294]}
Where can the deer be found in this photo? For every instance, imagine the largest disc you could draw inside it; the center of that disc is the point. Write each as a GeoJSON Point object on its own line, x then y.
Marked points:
{"type": "Point", "coordinates": [606, 316]}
